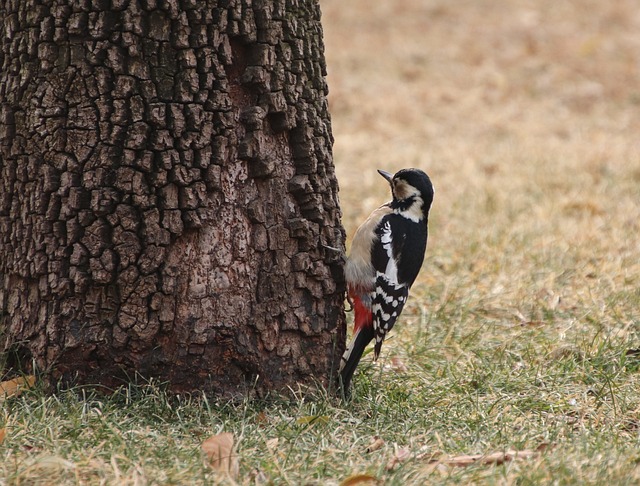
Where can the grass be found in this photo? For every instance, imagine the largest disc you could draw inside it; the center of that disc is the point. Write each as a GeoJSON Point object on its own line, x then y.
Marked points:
{"type": "Point", "coordinates": [517, 330]}
{"type": "Point", "coordinates": [458, 398]}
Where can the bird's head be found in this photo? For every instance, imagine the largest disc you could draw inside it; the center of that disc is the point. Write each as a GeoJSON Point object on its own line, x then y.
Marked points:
{"type": "Point", "coordinates": [407, 185]}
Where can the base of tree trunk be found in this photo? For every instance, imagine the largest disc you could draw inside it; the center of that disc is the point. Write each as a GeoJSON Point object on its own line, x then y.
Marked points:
{"type": "Point", "coordinates": [168, 201]}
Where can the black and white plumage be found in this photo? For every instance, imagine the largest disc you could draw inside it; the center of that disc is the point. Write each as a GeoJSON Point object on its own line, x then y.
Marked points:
{"type": "Point", "coordinates": [386, 255]}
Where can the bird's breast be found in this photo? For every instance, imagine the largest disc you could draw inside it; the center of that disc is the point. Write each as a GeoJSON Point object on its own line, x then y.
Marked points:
{"type": "Point", "coordinates": [359, 271]}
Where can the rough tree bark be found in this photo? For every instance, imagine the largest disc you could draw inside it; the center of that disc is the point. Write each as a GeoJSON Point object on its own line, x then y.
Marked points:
{"type": "Point", "coordinates": [166, 192]}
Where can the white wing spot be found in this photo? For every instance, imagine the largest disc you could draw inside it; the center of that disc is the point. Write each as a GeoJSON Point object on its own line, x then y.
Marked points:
{"type": "Point", "coordinates": [391, 272]}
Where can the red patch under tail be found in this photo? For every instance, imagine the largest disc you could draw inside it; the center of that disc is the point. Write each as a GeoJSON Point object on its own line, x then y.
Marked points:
{"type": "Point", "coordinates": [363, 316]}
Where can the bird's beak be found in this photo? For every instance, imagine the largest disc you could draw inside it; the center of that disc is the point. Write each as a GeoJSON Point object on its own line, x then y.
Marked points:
{"type": "Point", "coordinates": [386, 175]}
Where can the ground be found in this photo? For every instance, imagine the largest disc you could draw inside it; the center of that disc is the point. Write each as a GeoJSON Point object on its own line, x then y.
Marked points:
{"type": "Point", "coordinates": [523, 329]}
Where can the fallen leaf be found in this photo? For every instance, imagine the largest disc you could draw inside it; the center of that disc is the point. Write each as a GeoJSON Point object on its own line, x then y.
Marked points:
{"type": "Point", "coordinates": [13, 388]}
{"type": "Point", "coordinates": [219, 451]}
{"type": "Point", "coordinates": [486, 459]}
{"type": "Point", "coordinates": [429, 455]}
{"type": "Point", "coordinates": [566, 352]}
{"type": "Point", "coordinates": [272, 444]}
{"type": "Point", "coordinates": [463, 460]}
{"type": "Point", "coordinates": [3, 432]}
{"type": "Point", "coordinates": [359, 479]}
{"type": "Point", "coordinates": [533, 323]}
{"type": "Point", "coordinates": [313, 419]}
{"type": "Point", "coordinates": [398, 365]}
{"type": "Point", "coordinates": [376, 443]}
{"type": "Point", "coordinates": [258, 477]}
{"type": "Point", "coordinates": [55, 461]}
{"type": "Point", "coordinates": [49, 462]}
{"type": "Point", "coordinates": [401, 455]}
{"type": "Point", "coordinates": [545, 446]}
{"type": "Point", "coordinates": [262, 418]}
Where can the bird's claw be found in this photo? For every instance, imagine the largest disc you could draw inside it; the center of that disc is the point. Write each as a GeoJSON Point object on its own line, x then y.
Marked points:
{"type": "Point", "coordinates": [350, 302]}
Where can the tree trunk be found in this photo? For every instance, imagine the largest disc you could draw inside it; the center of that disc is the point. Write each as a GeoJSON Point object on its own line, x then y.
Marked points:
{"type": "Point", "coordinates": [167, 193]}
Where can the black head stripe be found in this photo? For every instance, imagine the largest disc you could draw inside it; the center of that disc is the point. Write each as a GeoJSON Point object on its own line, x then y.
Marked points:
{"type": "Point", "coordinates": [418, 179]}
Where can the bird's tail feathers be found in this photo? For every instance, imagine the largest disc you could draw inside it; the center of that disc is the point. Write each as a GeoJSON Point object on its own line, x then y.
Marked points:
{"type": "Point", "coordinates": [352, 355]}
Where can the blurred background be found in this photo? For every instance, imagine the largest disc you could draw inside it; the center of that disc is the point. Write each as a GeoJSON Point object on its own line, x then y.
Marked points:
{"type": "Point", "coordinates": [526, 115]}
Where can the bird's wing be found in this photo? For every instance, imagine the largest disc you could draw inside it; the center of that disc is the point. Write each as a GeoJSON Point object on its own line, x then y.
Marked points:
{"type": "Point", "coordinates": [390, 294]}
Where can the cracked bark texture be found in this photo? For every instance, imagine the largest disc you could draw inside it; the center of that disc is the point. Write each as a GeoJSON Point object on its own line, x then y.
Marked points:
{"type": "Point", "coordinates": [166, 193]}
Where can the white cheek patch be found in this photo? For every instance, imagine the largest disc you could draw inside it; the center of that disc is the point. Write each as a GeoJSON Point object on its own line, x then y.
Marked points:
{"type": "Point", "coordinates": [402, 190]}
{"type": "Point", "coordinates": [413, 212]}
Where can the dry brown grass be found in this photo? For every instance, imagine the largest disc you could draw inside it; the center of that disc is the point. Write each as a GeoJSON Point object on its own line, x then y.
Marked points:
{"type": "Point", "coordinates": [525, 114]}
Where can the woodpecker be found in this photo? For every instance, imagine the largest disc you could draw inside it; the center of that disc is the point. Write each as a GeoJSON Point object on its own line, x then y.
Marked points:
{"type": "Point", "coordinates": [386, 255]}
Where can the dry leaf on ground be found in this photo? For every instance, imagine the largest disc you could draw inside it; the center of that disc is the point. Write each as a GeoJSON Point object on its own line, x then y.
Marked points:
{"type": "Point", "coordinates": [376, 443]}
{"type": "Point", "coordinates": [47, 462]}
{"type": "Point", "coordinates": [398, 365]}
{"type": "Point", "coordinates": [3, 432]}
{"type": "Point", "coordinates": [262, 418]}
{"type": "Point", "coordinates": [359, 479]}
{"type": "Point", "coordinates": [219, 451]}
{"type": "Point", "coordinates": [14, 387]}
{"type": "Point", "coordinates": [259, 478]}
{"type": "Point", "coordinates": [545, 446]}
{"type": "Point", "coordinates": [272, 444]}
{"type": "Point", "coordinates": [486, 459]}
{"type": "Point", "coordinates": [400, 455]}
{"type": "Point", "coordinates": [427, 454]}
